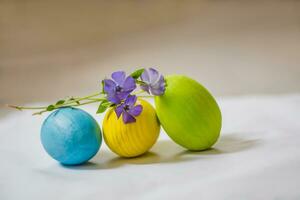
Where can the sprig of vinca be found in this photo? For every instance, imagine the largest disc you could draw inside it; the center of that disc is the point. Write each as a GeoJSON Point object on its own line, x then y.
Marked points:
{"type": "Point", "coordinates": [116, 92]}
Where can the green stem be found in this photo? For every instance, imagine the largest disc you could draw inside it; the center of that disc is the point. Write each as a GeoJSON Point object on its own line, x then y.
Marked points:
{"type": "Point", "coordinates": [139, 82]}
{"type": "Point", "coordinates": [89, 102]}
{"type": "Point", "coordinates": [67, 103]}
{"type": "Point", "coordinates": [99, 99]}
{"type": "Point", "coordinates": [74, 102]}
{"type": "Point", "coordinates": [145, 96]}
{"type": "Point", "coordinates": [62, 105]}
{"type": "Point", "coordinates": [39, 113]}
{"type": "Point", "coordinates": [83, 98]}
{"type": "Point", "coordinates": [29, 108]}
{"type": "Point", "coordinates": [138, 92]}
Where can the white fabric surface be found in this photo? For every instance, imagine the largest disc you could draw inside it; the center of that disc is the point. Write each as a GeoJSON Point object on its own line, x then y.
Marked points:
{"type": "Point", "coordinates": [257, 157]}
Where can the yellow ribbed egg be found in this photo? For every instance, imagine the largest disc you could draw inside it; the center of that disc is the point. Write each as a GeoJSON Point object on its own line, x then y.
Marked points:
{"type": "Point", "coordinates": [132, 139]}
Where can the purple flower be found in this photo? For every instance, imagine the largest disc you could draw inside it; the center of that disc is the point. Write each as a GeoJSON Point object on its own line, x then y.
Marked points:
{"type": "Point", "coordinates": [128, 109]}
{"type": "Point", "coordinates": [154, 83]}
{"type": "Point", "coordinates": [119, 87]}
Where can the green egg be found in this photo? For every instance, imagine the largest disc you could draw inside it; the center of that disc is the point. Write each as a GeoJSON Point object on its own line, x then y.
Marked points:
{"type": "Point", "coordinates": [189, 113]}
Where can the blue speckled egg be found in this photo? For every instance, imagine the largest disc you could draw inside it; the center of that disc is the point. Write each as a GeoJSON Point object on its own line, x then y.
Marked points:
{"type": "Point", "coordinates": [71, 136]}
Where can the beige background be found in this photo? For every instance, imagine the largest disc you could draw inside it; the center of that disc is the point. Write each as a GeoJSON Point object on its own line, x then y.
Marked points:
{"type": "Point", "coordinates": [52, 49]}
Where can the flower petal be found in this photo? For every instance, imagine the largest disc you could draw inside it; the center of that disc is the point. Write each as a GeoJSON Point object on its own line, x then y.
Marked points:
{"type": "Point", "coordinates": [157, 92]}
{"type": "Point", "coordinates": [158, 88]}
{"type": "Point", "coordinates": [136, 110]}
{"type": "Point", "coordinates": [130, 100]}
{"type": "Point", "coordinates": [122, 95]}
{"type": "Point", "coordinates": [119, 110]}
{"type": "Point", "coordinates": [127, 118]}
{"type": "Point", "coordinates": [109, 85]}
{"type": "Point", "coordinates": [129, 84]}
{"type": "Point", "coordinates": [153, 74]}
{"type": "Point", "coordinates": [145, 88]}
{"type": "Point", "coordinates": [113, 98]}
{"type": "Point", "coordinates": [119, 77]}
{"type": "Point", "coordinates": [145, 76]}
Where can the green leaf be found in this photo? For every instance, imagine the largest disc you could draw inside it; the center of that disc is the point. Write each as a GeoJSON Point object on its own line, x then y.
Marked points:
{"type": "Point", "coordinates": [137, 73]}
{"type": "Point", "coordinates": [60, 102]}
{"type": "Point", "coordinates": [102, 82]}
{"type": "Point", "coordinates": [50, 108]}
{"type": "Point", "coordinates": [103, 106]}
